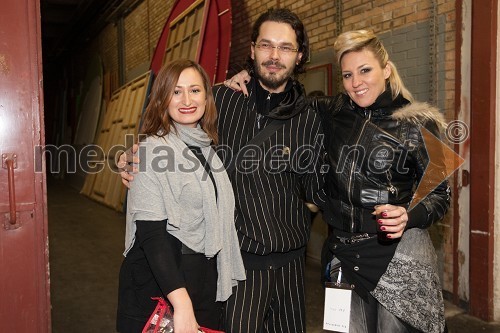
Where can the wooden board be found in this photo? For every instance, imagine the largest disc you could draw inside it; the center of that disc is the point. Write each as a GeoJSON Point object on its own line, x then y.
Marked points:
{"type": "Point", "coordinates": [127, 136]}
{"type": "Point", "coordinates": [204, 38]}
{"type": "Point", "coordinates": [122, 118]}
{"type": "Point", "coordinates": [91, 106]}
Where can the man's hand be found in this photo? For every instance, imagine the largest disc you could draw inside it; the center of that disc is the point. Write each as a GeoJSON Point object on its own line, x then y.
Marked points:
{"type": "Point", "coordinates": [126, 163]}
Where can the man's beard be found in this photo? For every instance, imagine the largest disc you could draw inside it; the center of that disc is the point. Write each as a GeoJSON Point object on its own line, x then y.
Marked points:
{"type": "Point", "coordinates": [271, 81]}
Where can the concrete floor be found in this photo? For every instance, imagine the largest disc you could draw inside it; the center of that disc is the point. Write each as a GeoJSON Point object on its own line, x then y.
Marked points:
{"type": "Point", "coordinates": [86, 241]}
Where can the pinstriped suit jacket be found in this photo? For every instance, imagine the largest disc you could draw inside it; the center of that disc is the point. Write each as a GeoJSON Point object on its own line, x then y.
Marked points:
{"type": "Point", "coordinates": [272, 182]}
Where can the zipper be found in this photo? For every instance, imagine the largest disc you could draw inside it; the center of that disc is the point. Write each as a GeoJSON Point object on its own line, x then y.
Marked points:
{"type": "Point", "coordinates": [367, 114]}
{"type": "Point", "coordinates": [391, 188]}
{"type": "Point", "coordinates": [259, 117]}
{"type": "Point", "coordinates": [268, 106]}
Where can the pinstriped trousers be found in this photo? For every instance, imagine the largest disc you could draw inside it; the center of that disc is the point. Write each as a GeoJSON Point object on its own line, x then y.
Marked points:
{"type": "Point", "coordinates": [268, 301]}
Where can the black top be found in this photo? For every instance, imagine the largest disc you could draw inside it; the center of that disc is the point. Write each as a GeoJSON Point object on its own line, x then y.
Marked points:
{"type": "Point", "coordinates": [197, 152]}
{"type": "Point", "coordinates": [156, 266]}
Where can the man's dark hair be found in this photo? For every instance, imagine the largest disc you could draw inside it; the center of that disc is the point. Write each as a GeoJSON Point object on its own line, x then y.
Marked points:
{"type": "Point", "coordinates": [283, 15]}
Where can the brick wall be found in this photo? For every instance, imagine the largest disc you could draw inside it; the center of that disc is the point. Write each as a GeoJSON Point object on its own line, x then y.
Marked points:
{"type": "Point", "coordinates": [144, 24]}
{"type": "Point", "coordinates": [137, 38]}
{"type": "Point", "coordinates": [143, 27]}
{"type": "Point", "coordinates": [403, 25]}
{"type": "Point", "coordinates": [408, 48]}
{"type": "Point", "coordinates": [107, 46]}
{"type": "Point", "coordinates": [158, 14]}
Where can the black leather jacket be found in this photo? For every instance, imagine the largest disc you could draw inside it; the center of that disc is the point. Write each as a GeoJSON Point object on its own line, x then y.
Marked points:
{"type": "Point", "coordinates": [378, 155]}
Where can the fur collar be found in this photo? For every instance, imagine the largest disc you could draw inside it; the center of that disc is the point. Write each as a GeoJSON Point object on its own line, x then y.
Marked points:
{"type": "Point", "coordinates": [419, 113]}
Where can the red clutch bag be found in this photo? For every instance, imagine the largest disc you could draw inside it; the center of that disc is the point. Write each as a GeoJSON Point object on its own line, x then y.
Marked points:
{"type": "Point", "coordinates": [162, 320]}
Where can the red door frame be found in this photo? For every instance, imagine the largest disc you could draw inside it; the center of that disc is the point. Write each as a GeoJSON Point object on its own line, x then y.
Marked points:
{"type": "Point", "coordinates": [482, 158]}
{"type": "Point", "coordinates": [455, 196]}
{"type": "Point", "coordinates": [24, 272]}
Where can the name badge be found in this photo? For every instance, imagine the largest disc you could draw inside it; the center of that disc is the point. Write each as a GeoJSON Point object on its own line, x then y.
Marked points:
{"type": "Point", "coordinates": [337, 306]}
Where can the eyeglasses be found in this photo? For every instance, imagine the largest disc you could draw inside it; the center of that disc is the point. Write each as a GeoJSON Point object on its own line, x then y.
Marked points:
{"type": "Point", "coordinates": [269, 47]}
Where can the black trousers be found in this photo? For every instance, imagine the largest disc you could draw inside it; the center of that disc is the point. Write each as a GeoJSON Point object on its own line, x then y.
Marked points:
{"type": "Point", "coordinates": [135, 304]}
{"type": "Point", "coordinates": [268, 301]}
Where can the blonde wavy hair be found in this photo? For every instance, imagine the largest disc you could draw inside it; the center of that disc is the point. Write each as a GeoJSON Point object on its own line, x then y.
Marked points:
{"type": "Point", "coordinates": [357, 40]}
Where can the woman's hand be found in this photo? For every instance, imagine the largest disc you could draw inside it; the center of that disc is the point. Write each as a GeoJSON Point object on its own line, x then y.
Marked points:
{"type": "Point", "coordinates": [238, 82]}
{"type": "Point", "coordinates": [126, 163]}
{"type": "Point", "coordinates": [391, 219]}
{"type": "Point", "coordinates": [184, 319]}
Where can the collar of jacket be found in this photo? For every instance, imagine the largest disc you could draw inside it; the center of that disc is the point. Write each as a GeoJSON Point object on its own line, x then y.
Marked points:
{"type": "Point", "coordinates": [284, 105]}
{"type": "Point", "coordinates": [384, 105]}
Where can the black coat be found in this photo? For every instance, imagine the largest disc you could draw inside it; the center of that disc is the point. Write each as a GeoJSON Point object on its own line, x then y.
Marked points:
{"type": "Point", "coordinates": [377, 156]}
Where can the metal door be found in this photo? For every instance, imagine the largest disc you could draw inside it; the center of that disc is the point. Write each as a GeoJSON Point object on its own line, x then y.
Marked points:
{"type": "Point", "coordinates": [24, 281]}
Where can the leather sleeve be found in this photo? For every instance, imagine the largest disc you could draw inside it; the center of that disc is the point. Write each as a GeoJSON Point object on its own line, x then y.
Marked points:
{"type": "Point", "coordinates": [434, 206]}
{"type": "Point", "coordinates": [327, 105]}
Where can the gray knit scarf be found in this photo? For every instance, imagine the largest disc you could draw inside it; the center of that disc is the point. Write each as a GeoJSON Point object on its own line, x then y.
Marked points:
{"type": "Point", "coordinates": [220, 238]}
{"type": "Point", "coordinates": [192, 136]}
